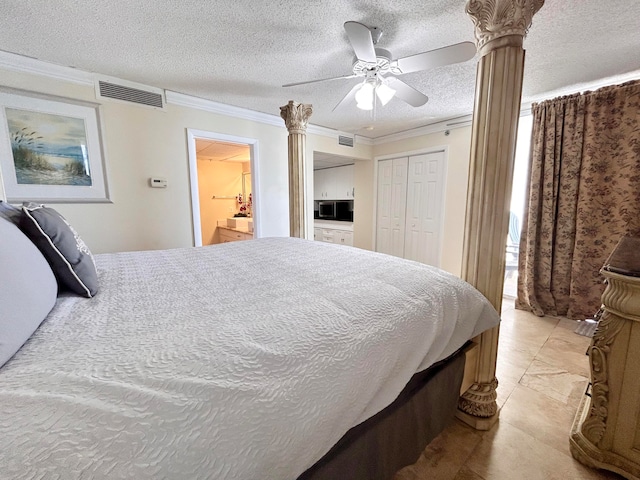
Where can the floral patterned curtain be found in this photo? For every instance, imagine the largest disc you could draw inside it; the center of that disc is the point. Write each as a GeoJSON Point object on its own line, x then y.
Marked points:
{"type": "Point", "coordinates": [584, 195]}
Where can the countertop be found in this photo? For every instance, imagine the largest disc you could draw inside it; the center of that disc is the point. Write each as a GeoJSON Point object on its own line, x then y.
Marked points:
{"type": "Point", "coordinates": [335, 224]}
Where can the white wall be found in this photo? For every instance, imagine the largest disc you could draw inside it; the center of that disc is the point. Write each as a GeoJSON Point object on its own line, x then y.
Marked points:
{"type": "Point", "coordinates": [458, 144]}
{"type": "Point", "coordinates": [141, 142]}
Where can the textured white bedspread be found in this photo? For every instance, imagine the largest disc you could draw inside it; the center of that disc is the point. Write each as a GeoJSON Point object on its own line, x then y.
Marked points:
{"type": "Point", "coordinates": [247, 360]}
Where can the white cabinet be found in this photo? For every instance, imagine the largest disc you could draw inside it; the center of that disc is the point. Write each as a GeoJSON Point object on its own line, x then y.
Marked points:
{"type": "Point", "coordinates": [343, 177]}
{"type": "Point", "coordinates": [229, 235]}
{"type": "Point", "coordinates": [410, 207]}
{"type": "Point", "coordinates": [333, 235]}
{"type": "Point", "coordinates": [324, 186]}
{"type": "Point", "coordinates": [336, 183]}
{"type": "Point", "coordinates": [329, 235]}
{"type": "Point", "coordinates": [345, 238]}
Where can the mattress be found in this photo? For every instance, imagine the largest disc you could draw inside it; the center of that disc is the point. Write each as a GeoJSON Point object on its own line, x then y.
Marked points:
{"type": "Point", "coordinates": [247, 360]}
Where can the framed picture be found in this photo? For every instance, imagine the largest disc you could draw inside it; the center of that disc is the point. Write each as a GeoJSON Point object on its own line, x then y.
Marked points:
{"type": "Point", "coordinates": [50, 149]}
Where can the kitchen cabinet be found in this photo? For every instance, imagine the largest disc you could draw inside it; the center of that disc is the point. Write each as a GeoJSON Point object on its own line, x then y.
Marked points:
{"type": "Point", "coordinates": [345, 238]}
{"type": "Point", "coordinates": [343, 177]}
{"type": "Point", "coordinates": [336, 183]}
{"type": "Point", "coordinates": [324, 187]}
{"type": "Point", "coordinates": [333, 235]}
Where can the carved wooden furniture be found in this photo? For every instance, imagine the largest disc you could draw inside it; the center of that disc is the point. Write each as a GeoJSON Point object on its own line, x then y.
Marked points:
{"type": "Point", "coordinates": [606, 431]}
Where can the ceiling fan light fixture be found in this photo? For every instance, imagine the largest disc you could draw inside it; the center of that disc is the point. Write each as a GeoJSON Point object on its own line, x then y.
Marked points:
{"type": "Point", "coordinates": [385, 93]}
{"type": "Point", "coordinates": [364, 96]}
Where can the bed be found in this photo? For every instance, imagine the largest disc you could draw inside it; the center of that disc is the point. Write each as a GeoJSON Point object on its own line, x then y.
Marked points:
{"type": "Point", "coordinates": [257, 359]}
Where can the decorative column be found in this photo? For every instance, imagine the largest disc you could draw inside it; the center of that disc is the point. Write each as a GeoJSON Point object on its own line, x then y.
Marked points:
{"type": "Point", "coordinates": [500, 27]}
{"type": "Point", "coordinates": [295, 117]}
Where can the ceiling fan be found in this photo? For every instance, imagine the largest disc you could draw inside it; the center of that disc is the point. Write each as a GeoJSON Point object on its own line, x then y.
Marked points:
{"type": "Point", "coordinates": [380, 71]}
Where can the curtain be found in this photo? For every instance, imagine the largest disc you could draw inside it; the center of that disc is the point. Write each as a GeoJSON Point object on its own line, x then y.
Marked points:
{"type": "Point", "coordinates": [583, 196]}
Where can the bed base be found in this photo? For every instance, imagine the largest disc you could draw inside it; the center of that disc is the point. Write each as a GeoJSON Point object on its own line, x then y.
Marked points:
{"type": "Point", "coordinates": [394, 438]}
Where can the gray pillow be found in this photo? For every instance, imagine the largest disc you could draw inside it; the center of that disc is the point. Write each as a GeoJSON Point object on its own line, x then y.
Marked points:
{"type": "Point", "coordinates": [28, 289]}
{"type": "Point", "coordinates": [9, 212]}
{"type": "Point", "coordinates": [69, 257]}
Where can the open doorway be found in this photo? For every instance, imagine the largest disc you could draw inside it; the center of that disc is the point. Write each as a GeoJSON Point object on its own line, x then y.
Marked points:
{"type": "Point", "coordinates": [223, 193]}
{"type": "Point", "coordinates": [516, 210]}
{"type": "Point", "coordinates": [333, 198]}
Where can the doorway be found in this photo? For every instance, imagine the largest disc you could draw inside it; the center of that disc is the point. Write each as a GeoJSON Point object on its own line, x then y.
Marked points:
{"type": "Point", "coordinates": [516, 209]}
{"type": "Point", "coordinates": [223, 171]}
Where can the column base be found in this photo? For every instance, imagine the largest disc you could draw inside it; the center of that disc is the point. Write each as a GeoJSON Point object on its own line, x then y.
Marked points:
{"type": "Point", "coordinates": [477, 406]}
{"type": "Point", "coordinates": [479, 423]}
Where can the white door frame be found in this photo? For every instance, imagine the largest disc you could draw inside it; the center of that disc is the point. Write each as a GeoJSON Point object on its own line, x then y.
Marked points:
{"type": "Point", "coordinates": [192, 135]}
{"type": "Point", "coordinates": [422, 151]}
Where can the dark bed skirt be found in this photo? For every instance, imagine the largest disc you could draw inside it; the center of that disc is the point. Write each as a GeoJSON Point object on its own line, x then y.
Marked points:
{"type": "Point", "coordinates": [395, 437]}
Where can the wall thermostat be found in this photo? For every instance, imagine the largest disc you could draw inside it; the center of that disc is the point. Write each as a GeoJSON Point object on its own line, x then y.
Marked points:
{"type": "Point", "coordinates": [158, 182]}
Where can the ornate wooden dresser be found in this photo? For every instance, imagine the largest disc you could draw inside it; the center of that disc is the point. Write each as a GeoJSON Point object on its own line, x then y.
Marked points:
{"type": "Point", "coordinates": [606, 430]}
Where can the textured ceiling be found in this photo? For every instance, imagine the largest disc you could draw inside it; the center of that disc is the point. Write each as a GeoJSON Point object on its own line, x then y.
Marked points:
{"type": "Point", "coordinates": [222, 151]}
{"type": "Point", "coordinates": [240, 52]}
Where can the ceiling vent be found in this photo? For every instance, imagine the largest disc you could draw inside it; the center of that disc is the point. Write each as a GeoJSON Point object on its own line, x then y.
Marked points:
{"type": "Point", "coordinates": [345, 140]}
{"type": "Point", "coordinates": [130, 93]}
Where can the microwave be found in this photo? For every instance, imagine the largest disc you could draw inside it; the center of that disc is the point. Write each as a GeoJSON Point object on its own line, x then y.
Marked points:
{"type": "Point", "coordinates": [327, 209]}
{"type": "Point", "coordinates": [341, 210]}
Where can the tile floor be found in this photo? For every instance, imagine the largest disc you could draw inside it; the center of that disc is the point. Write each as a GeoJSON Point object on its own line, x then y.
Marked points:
{"type": "Point", "coordinates": [542, 372]}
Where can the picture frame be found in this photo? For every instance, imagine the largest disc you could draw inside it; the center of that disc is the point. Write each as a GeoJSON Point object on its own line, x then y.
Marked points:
{"type": "Point", "coordinates": [51, 149]}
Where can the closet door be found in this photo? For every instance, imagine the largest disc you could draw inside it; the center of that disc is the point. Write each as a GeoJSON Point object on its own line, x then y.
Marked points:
{"type": "Point", "coordinates": [424, 208]}
{"type": "Point", "coordinates": [392, 198]}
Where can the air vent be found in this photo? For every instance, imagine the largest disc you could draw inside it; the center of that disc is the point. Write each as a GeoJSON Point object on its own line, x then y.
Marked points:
{"type": "Point", "coordinates": [344, 140]}
{"type": "Point", "coordinates": [115, 91]}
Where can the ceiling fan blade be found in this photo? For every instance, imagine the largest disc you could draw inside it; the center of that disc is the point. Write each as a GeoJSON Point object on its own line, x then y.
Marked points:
{"type": "Point", "coordinates": [361, 41]}
{"type": "Point", "coordinates": [460, 52]}
{"type": "Point", "coordinates": [404, 92]}
{"type": "Point", "coordinates": [348, 98]}
{"type": "Point", "coordinates": [319, 80]}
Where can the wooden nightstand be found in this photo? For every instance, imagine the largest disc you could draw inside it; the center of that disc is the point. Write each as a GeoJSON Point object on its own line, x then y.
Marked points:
{"type": "Point", "coordinates": [606, 431]}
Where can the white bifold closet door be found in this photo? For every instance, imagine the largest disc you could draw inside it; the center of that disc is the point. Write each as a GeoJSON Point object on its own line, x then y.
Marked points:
{"type": "Point", "coordinates": [410, 207]}
{"type": "Point", "coordinates": [392, 198]}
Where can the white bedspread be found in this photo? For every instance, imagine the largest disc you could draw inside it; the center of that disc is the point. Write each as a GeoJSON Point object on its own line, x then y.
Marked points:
{"type": "Point", "coordinates": [247, 360]}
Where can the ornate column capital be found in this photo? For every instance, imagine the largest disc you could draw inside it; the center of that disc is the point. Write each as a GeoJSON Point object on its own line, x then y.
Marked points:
{"type": "Point", "coordinates": [296, 115]}
{"type": "Point", "coordinates": [495, 19]}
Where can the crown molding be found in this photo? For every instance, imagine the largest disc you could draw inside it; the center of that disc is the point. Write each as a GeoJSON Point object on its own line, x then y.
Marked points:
{"type": "Point", "coordinates": [246, 114]}
{"type": "Point", "coordinates": [457, 122]}
{"type": "Point", "coordinates": [20, 63]}
{"type": "Point", "coordinates": [184, 100]}
{"type": "Point", "coordinates": [583, 87]}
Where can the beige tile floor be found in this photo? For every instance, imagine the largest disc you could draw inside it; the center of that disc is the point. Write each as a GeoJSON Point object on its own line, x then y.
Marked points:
{"type": "Point", "coordinates": [542, 372]}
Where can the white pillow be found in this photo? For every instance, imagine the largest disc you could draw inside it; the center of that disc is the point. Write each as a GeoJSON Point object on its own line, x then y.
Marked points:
{"type": "Point", "coordinates": [28, 289]}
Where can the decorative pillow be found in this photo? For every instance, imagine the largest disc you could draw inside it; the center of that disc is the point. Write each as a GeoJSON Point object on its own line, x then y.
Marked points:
{"type": "Point", "coordinates": [28, 289]}
{"type": "Point", "coordinates": [9, 212]}
{"type": "Point", "coordinates": [69, 257]}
